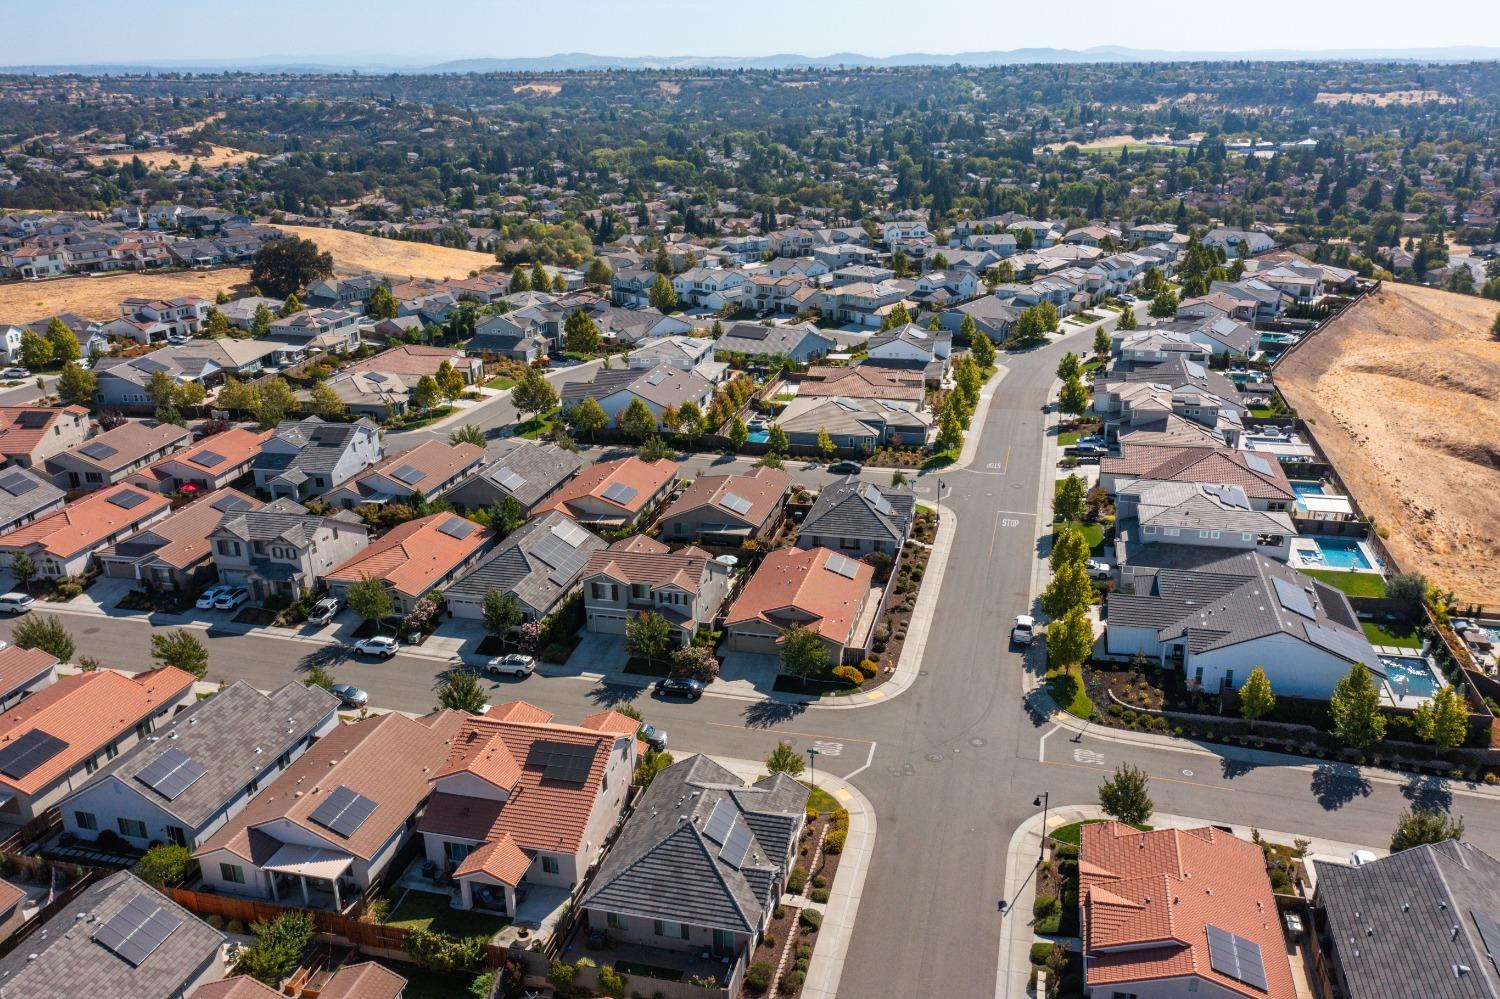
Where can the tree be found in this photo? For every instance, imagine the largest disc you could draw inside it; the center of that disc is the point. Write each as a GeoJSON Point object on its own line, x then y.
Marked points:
{"type": "Point", "coordinates": [460, 691]}
{"type": "Point", "coordinates": [450, 380]}
{"type": "Point", "coordinates": [1069, 589]}
{"type": "Point", "coordinates": [182, 650]}
{"type": "Point", "coordinates": [42, 631]}
{"type": "Point", "coordinates": [260, 323]}
{"type": "Point", "coordinates": [696, 661]}
{"type": "Point", "coordinates": [803, 652]}
{"type": "Point", "coordinates": [64, 344]}
{"type": "Point", "coordinates": [1409, 586]}
{"type": "Point", "coordinates": [325, 401]}
{"type": "Point", "coordinates": [598, 275]}
{"type": "Point", "coordinates": [539, 279]}
{"type": "Point", "coordinates": [291, 306]}
{"type": "Point", "coordinates": [1067, 501]}
{"type": "Point", "coordinates": [1495, 326]}
{"type": "Point", "coordinates": [238, 397]}
{"type": "Point", "coordinates": [690, 421]}
{"type": "Point", "coordinates": [661, 296]}
{"type": "Point", "coordinates": [636, 420]}
{"type": "Point", "coordinates": [278, 947]}
{"type": "Point", "coordinates": [1070, 639]}
{"type": "Point", "coordinates": [1074, 397]}
{"type": "Point", "coordinates": [653, 448]}
{"type": "Point", "coordinates": [896, 318]}
{"type": "Point", "coordinates": [519, 281]}
{"type": "Point", "coordinates": [505, 516]}
{"type": "Point", "coordinates": [36, 351]}
{"type": "Point", "coordinates": [1068, 547]}
{"type": "Point", "coordinates": [738, 433]}
{"type": "Point", "coordinates": [188, 395]}
{"type": "Point", "coordinates": [648, 635]}
{"type": "Point", "coordinates": [369, 598]}
{"type": "Point", "coordinates": [826, 447]}
{"type": "Point", "coordinates": [23, 569]}
{"type": "Point", "coordinates": [1421, 826]}
{"type": "Point", "coordinates": [533, 393]}
{"type": "Point", "coordinates": [1355, 709]}
{"type": "Point", "coordinates": [318, 677]}
{"type": "Point", "coordinates": [1069, 366]}
{"type": "Point", "coordinates": [776, 439]}
{"type": "Point", "coordinates": [1443, 720]}
{"type": "Point", "coordinates": [1125, 797]}
{"type": "Point", "coordinates": [164, 864]}
{"type": "Point", "coordinates": [76, 386]}
{"type": "Point", "coordinates": [382, 304]}
{"type": "Point", "coordinates": [283, 266]}
{"type": "Point", "coordinates": [588, 417]}
{"type": "Point", "coordinates": [785, 760]}
{"type": "Point", "coordinates": [581, 333]}
{"type": "Point", "coordinates": [982, 347]}
{"type": "Point", "coordinates": [968, 381]}
{"type": "Point", "coordinates": [468, 434]}
{"type": "Point", "coordinates": [1126, 323]}
{"type": "Point", "coordinates": [1164, 305]}
{"type": "Point", "coordinates": [426, 394]}
{"type": "Point", "coordinates": [215, 325]}
{"type": "Point", "coordinates": [1256, 698]}
{"type": "Point", "coordinates": [502, 612]}
{"type": "Point", "coordinates": [274, 402]}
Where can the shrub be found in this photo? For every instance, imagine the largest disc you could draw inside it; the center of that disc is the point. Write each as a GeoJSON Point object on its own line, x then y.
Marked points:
{"type": "Point", "coordinates": [792, 980]}
{"type": "Point", "coordinates": [1041, 953]}
{"type": "Point", "coordinates": [758, 978]}
{"type": "Point", "coordinates": [216, 921]}
{"type": "Point", "coordinates": [849, 673]}
{"type": "Point", "coordinates": [869, 667]}
{"type": "Point", "coordinates": [819, 895]}
{"type": "Point", "coordinates": [163, 865]}
{"type": "Point", "coordinates": [235, 926]}
{"type": "Point", "coordinates": [769, 940]}
{"type": "Point", "coordinates": [834, 841]}
{"type": "Point", "coordinates": [820, 881]}
{"type": "Point", "coordinates": [811, 920]}
{"type": "Point", "coordinates": [556, 654]}
{"type": "Point", "coordinates": [1044, 906]}
{"type": "Point", "coordinates": [796, 881]}
{"type": "Point", "coordinates": [804, 953]}
{"type": "Point", "coordinates": [841, 819]}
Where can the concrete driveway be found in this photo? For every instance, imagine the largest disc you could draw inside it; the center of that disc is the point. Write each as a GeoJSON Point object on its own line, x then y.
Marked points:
{"type": "Point", "coordinates": [748, 673]}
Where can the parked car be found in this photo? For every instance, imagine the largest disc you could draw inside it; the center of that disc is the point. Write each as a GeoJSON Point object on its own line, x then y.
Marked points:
{"type": "Point", "coordinates": [655, 737]}
{"type": "Point", "coordinates": [177, 339]}
{"type": "Point", "coordinates": [1097, 569]}
{"type": "Point", "coordinates": [231, 599]}
{"type": "Point", "coordinates": [680, 686]}
{"type": "Point", "coordinates": [514, 664]}
{"type": "Point", "coordinates": [1093, 439]}
{"type": "Point", "coordinates": [1024, 629]}
{"type": "Point", "coordinates": [381, 645]}
{"type": "Point", "coordinates": [349, 695]}
{"type": "Point", "coordinates": [846, 468]}
{"type": "Point", "coordinates": [16, 603]}
{"type": "Point", "coordinates": [1089, 449]}
{"type": "Point", "coordinates": [16, 372]}
{"type": "Point", "coordinates": [324, 610]}
{"type": "Point", "coordinates": [207, 598]}
{"type": "Point", "coordinates": [1129, 298]}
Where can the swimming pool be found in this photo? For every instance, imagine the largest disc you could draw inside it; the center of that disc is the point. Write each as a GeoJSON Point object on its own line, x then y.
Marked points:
{"type": "Point", "coordinates": [1411, 675]}
{"type": "Point", "coordinates": [758, 436]}
{"type": "Point", "coordinates": [1307, 487]}
{"type": "Point", "coordinates": [1336, 553]}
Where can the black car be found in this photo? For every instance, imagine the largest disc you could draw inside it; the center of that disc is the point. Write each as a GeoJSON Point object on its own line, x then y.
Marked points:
{"type": "Point", "coordinates": [846, 468]}
{"type": "Point", "coordinates": [680, 686]}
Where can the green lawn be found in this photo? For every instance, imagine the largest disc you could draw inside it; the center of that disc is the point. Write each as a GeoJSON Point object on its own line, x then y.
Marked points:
{"type": "Point", "coordinates": [1068, 439]}
{"type": "Point", "coordinates": [1093, 365]}
{"type": "Point", "coordinates": [941, 459]}
{"type": "Point", "coordinates": [1092, 533]}
{"type": "Point", "coordinates": [821, 799]}
{"type": "Point", "coordinates": [1072, 834]}
{"type": "Point", "coordinates": [1066, 687]}
{"type": "Point", "coordinates": [425, 419]}
{"type": "Point", "coordinates": [1354, 584]}
{"type": "Point", "coordinates": [501, 382]}
{"type": "Point", "coordinates": [425, 910]}
{"type": "Point", "coordinates": [1262, 412]}
{"type": "Point", "coordinates": [538, 426]}
{"type": "Point", "coordinates": [1402, 634]}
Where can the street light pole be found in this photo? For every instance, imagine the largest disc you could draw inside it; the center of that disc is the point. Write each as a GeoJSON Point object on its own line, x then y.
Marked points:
{"type": "Point", "coordinates": [1045, 800]}
{"type": "Point", "coordinates": [812, 759]}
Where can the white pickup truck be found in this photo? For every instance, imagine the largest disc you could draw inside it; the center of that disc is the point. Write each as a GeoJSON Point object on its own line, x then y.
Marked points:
{"type": "Point", "coordinates": [1024, 630]}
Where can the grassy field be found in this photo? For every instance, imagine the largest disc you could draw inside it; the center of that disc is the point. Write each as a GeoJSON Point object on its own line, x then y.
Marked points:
{"type": "Point", "coordinates": [99, 297]}
{"type": "Point", "coordinates": [1354, 584]}
{"type": "Point", "coordinates": [357, 252]}
{"type": "Point", "coordinates": [1067, 439]}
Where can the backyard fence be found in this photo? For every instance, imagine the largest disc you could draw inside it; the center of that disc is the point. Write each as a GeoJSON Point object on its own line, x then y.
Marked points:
{"type": "Point", "coordinates": [48, 911]}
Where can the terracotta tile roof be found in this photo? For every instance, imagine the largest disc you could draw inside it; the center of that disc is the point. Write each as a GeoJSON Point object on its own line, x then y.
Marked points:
{"type": "Point", "coordinates": [500, 858]}
{"type": "Point", "coordinates": [519, 711]}
{"type": "Point", "coordinates": [87, 711]}
{"type": "Point", "coordinates": [1215, 465]}
{"type": "Point", "coordinates": [86, 522]}
{"type": "Point", "coordinates": [643, 560]}
{"type": "Point", "coordinates": [645, 477]}
{"type": "Point", "coordinates": [17, 665]}
{"type": "Point", "coordinates": [10, 895]}
{"type": "Point", "coordinates": [366, 980]}
{"type": "Point", "coordinates": [235, 446]}
{"type": "Point", "coordinates": [413, 557]}
{"type": "Point", "coordinates": [131, 442]}
{"type": "Point", "coordinates": [237, 987]}
{"type": "Point", "coordinates": [795, 585]}
{"type": "Point", "coordinates": [863, 382]}
{"type": "Point", "coordinates": [389, 759]}
{"type": "Point", "coordinates": [186, 532]}
{"type": "Point", "coordinates": [539, 813]}
{"type": "Point", "coordinates": [763, 489]}
{"type": "Point", "coordinates": [1148, 898]}
{"type": "Point", "coordinates": [412, 360]}
{"type": "Point", "coordinates": [18, 435]}
{"type": "Point", "coordinates": [612, 722]}
{"type": "Point", "coordinates": [437, 460]}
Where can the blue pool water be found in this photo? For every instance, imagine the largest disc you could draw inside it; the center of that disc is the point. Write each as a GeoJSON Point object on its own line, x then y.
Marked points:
{"type": "Point", "coordinates": [758, 436]}
{"type": "Point", "coordinates": [1342, 553]}
{"type": "Point", "coordinates": [1306, 487]}
{"type": "Point", "coordinates": [1410, 675]}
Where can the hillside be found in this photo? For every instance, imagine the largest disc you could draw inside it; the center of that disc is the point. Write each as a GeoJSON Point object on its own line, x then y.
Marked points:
{"type": "Point", "coordinates": [353, 251]}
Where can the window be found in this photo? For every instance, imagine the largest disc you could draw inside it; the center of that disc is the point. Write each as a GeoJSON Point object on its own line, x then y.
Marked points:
{"type": "Point", "coordinates": [177, 835]}
{"type": "Point", "coordinates": [640, 590]}
{"type": "Point", "coordinates": [616, 921]}
{"type": "Point", "coordinates": [132, 828]}
{"type": "Point", "coordinates": [92, 477]}
{"type": "Point", "coordinates": [86, 820]}
{"type": "Point", "coordinates": [1198, 677]}
{"type": "Point", "coordinates": [848, 544]}
{"type": "Point", "coordinates": [233, 873]}
{"type": "Point", "coordinates": [667, 928]}
{"type": "Point", "coordinates": [111, 751]}
{"type": "Point", "coordinates": [231, 548]}
{"type": "Point", "coordinates": [549, 865]}
{"type": "Point", "coordinates": [1229, 679]}
{"type": "Point", "coordinates": [1171, 532]}
{"type": "Point", "coordinates": [456, 852]}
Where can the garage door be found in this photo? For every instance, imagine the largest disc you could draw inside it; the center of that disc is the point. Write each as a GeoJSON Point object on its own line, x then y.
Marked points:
{"type": "Point", "coordinates": [468, 610]}
{"type": "Point", "coordinates": [607, 623]}
{"type": "Point", "coordinates": [750, 642]}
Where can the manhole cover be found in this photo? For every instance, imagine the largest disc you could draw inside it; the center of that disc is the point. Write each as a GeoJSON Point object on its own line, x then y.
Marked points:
{"type": "Point", "coordinates": [934, 757]}
{"type": "Point", "coordinates": [976, 742]}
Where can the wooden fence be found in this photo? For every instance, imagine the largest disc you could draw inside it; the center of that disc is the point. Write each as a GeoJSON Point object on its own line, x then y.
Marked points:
{"type": "Point", "coordinates": [38, 828]}
{"type": "Point", "coordinates": [48, 911]}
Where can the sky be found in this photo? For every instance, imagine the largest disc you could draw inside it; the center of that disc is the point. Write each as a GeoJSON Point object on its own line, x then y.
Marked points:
{"type": "Point", "coordinates": [63, 32]}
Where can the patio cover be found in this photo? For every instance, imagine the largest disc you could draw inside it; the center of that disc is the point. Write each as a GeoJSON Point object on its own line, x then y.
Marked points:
{"type": "Point", "coordinates": [308, 861]}
{"type": "Point", "coordinates": [1326, 504]}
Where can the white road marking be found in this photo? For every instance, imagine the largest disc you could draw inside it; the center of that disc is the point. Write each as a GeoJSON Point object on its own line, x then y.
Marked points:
{"type": "Point", "coordinates": [1081, 755]}
{"type": "Point", "coordinates": [868, 760]}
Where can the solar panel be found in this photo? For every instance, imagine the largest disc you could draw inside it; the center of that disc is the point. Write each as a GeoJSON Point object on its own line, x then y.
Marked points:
{"type": "Point", "coordinates": [98, 451]}
{"type": "Point", "coordinates": [561, 761]}
{"type": "Point", "coordinates": [1258, 464]}
{"type": "Point", "coordinates": [457, 527]}
{"type": "Point", "coordinates": [25, 754]}
{"type": "Point", "coordinates": [738, 504]}
{"type": "Point", "coordinates": [208, 459]}
{"type": "Point", "coordinates": [876, 499]}
{"type": "Point", "coordinates": [846, 405]}
{"type": "Point", "coordinates": [620, 493]}
{"type": "Point", "coordinates": [1489, 933]}
{"type": "Point", "coordinates": [149, 364]}
{"type": "Point", "coordinates": [509, 480]}
{"type": "Point", "coordinates": [17, 484]}
{"type": "Point", "coordinates": [231, 504]}
{"type": "Point", "coordinates": [720, 821]}
{"type": "Point", "coordinates": [35, 419]}
{"type": "Point", "coordinates": [737, 845]}
{"type": "Point", "coordinates": [137, 930]}
{"type": "Point", "coordinates": [171, 773]}
{"type": "Point", "coordinates": [129, 499]}
{"type": "Point", "coordinates": [842, 565]}
{"type": "Point", "coordinates": [376, 377]}
{"type": "Point", "coordinates": [571, 534]}
{"type": "Point", "coordinates": [1293, 597]}
{"type": "Point", "coordinates": [656, 378]}
{"type": "Point", "coordinates": [1233, 955]}
{"type": "Point", "coordinates": [343, 811]}
{"type": "Point", "coordinates": [411, 476]}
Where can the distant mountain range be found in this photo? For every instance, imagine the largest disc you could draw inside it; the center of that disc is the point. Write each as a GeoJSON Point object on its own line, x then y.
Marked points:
{"type": "Point", "coordinates": [586, 61]}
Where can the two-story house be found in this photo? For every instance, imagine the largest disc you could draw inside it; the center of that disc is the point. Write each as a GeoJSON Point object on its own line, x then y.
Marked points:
{"type": "Point", "coordinates": [427, 470]}
{"type": "Point", "coordinates": [641, 574]}
{"type": "Point", "coordinates": [115, 454]}
{"type": "Point", "coordinates": [277, 550]}
{"type": "Point", "coordinates": [614, 494]}
{"type": "Point", "coordinates": [63, 543]}
{"type": "Point", "coordinates": [308, 457]}
{"type": "Point", "coordinates": [414, 558]}
{"type": "Point", "coordinates": [29, 435]}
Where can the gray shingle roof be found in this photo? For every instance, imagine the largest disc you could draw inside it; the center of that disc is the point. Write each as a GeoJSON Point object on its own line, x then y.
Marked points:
{"type": "Point", "coordinates": [15, 507]}
{"type": "Point", "coordinates": [514, 567]}
{"type": "Point", "coordinates": [853, 509]}
{"type": "Point", "coordinates": [663, 385]}
{"type": "Point", "coordinates": [775, 341]}
{"type": "Point", "coordinates": [544, 467]}
{"type": "Point", "coordinates": [320, 445]}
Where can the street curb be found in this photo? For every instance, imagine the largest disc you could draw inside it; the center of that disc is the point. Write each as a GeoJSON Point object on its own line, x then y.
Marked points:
{"type": "Point", "coordinates": [981, 412]}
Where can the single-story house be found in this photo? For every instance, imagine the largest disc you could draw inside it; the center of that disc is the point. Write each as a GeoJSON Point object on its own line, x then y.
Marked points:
{"type": "Point", "coordinates": [727, 509]}
{"type": "Point", "coordinates": [816, 588]}
{"type": "Point", "coordinates": [856, 518]}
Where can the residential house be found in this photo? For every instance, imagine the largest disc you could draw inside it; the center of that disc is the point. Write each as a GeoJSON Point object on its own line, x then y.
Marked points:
{"type": "Point", "coordinates": [527, 472]}
{"type": "Point", "coordinates": [63, 543]}
{"type": "Point", "coordinates": [912, 347]}
{"type": "Point", "coordinates": [1263, 481]}
{"type": "Point", "coordinates": [856, 518]}
{"type": "Point", "coordinates": [148, 320]}
{"type": "Point", "coordinates": [23, 672]}
{"type": "Point", "coordinates": [308, 457]}
{"type": "Point", "coordinates": [29, 435]}
{"type": "Point", "coordinates": [369, 394]}
{"type": "Point", "coordinates": [861, 303]}
{"type": "Point", "coordinates": [1212, 515]}
{"type": "Point", "coordinates": [1225, 615]}
{"type": "Point", "coordinates": [1239, 241]}
{"type": "Point", "coordinates": [539, 564]}
{"type": "Point", "coordinates": [613, 495]}
{"type": "Point", "coordinates": [1166, 912]}
{"type": "Point", "coordinates": [122, 939]}
{"type": "Point", "coordinates": [901, 387]}
{"type": "Point", "coordinates": [700, 866]}
{"type": "Point", "coordinates": [205, 466]}
{"type": "Point", "coordinates": [351, 293]}
{"type": "Point", "coordinates": [362, 980]}
{"type": "Point", "coordinates": [640, 574]}
{"type": "Point", "coordinates": [197, 771]}
{"type": "Point", "coordinates": [992, 317]}
{"type": "Point", "coordinates": [90, 335]}
{"type": "Point", "coordinates": [52, 741]}
{"type": "Point", "coordinates": [414, 559]}
{"type": "Point", "coordinates": [510, 336]}
{"type": "Point", "coordinates": [333, 330]}
{"type": "Point", "coordinates": [427, 470]}
{"type": "Point", "coordinates": [25, 496]}
{"type": "Point", "coordinates": [659, 388]}
{"type": "Point", "coordinates": [711, 288]}
{"type": "Point", "coordinates": [241, 312]}
{"type": "Point", "coordinates": [797, 342]}
{"type": "Point", "coordinates": [175, 553]}
{"type": "Point", "coordinates": [277, 550]}
{"type": "Point", "coordinates": [331, 824]}
{"type": "Point", "coordinates": [410, 362]}
{"type": "Point", "coordinates": [632, 285]}
{"type": "Point", "coordinates": [116, 454]}
{"type": "Point", "coordinates": [727, 510]}
{"type": "Point", "coordinates": [815, 588]}
{"type": "Point", "coordinates": [856, 426]}
{"type": "Point", "coordinates": [940, 287]}
{"type": "Point", "coordinates": [1263, 301]}
{"type": "Point", "coordinates": [687, 353]}
{"type": "Point", "coordinates": [523, 805]}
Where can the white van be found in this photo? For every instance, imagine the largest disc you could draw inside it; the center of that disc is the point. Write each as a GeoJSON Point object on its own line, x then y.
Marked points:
{"type": "Point", "coordinates": [16, 603]}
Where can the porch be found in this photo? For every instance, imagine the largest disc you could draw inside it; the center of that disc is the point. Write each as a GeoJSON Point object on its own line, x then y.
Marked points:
{"type": "Point", "coordinates": [661, 964]}
{"type": "Point", "coordinates": [310, 876]}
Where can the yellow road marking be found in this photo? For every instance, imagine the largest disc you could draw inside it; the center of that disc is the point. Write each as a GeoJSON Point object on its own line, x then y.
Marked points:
{"type": "Point", "coordinates": [875, 695]}
{"type": "Point", "coordinates": [841, 794]}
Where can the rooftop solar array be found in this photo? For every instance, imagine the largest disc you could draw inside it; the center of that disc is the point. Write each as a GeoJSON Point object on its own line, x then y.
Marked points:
{"type": "Point", "coordinates": [571, 534]}
{"type": "Point", "coordinates": [231, 504]}
{"type": "Point", "coordinates": [876, 499]}
{"type": "Point", "coordinates": [561, 761]}
{"type": "Point", "coordinates": [1489, 934]}
{"type": "Point", "coordinates": [737, 845]}
{"type": "Point", "coordinates": [17, 484]}
{"type": "Point", "coordinates": [34, 419]}
{"type": "Point", "coordinates": [720, 822]}
{"type": "Point", "coordinates": [1233, 955]}
{"type": "Point", "coordinates": [127, 499]}
{"type": "Point", "coordinates": [843, 565]}
{"type": "Point", "coordinates": [411, 476]}
{"type": "Point", "coordinates": [457, 527]}
{"type": "Point", "coordinates": [209, 459]}
{"type": "Point", "coordinates": [98, 450]}
{"type": "Point", "coordinates": [171, 773]}
{"type": "Point", "coordinates": [376, 377]}
{"type": "Point", "coordinates": [1230, 496]}
{"type": "Point", "coordinates": [620, 493]}
{"type": "Point", "coordinates": [738, 504]}
{"type": "Point", "coordinates": [656, 377]}
{"type": "Point", "coordinates": [1293, 597]}
{"type": "Point", "coordinates": [509, 480]}
{"type": "Point", "coordinates": [1258, 464]}
{"type": "Point", "coordinates": [136, 931]}
{"type": "Point", "coordinates": [847, 405]}
{"type": "Point", "coordinates": [343, 811]}
{"type": "Point", "coordinates": [565, 561]}
{"type": "Point", "coordinates": [149, 364]}
{"type": "Point", "coordinates": [29, 751]}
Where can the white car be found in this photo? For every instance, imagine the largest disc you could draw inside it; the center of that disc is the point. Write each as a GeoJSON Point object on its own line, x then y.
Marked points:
{"type": "Point", "coordinates": [511, 665]}
{"type": "Point", "coordinates": [16, 603]}
{"type": "Point", "coordinates": [381, 645]}
{"type": "Point", "coordinates": [16, 373]}
{"type": "Point", "coordinates": [1024, 630]}
{"type": "Point", "coordinates": [206, 601]}
{"type": "Point", "coordinates": [324, 610]}
{"type": "Point", "coordinates": [232, 599]}
{"type": "Point", "coordinates": [1097, 569]}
